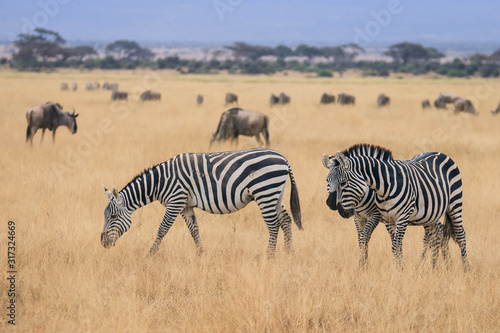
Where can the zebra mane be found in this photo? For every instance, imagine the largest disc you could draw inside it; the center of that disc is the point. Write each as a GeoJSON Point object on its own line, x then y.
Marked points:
{"type": "Point", "coordinates": [139, 175]}
{"type": "Point", "coordinates": [364, 149]}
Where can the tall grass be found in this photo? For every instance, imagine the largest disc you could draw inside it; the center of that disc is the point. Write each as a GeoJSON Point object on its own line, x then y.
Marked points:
{"type": "Point", "coordinates": [68, 282]}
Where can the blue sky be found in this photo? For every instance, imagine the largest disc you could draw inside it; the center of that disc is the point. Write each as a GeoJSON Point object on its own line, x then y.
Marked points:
{"type": "Point", "coordinates": [370, 22]}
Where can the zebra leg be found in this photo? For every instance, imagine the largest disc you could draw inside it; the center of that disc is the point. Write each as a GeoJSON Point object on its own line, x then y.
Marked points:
{"type": "Point", "coordinates": [427, 235]}
{"type": "Point", "coordinates": [360, 224]}
{"type": "Point", "coordinates": [436, 231]}
{"type": "Point", "coordinates": [366, 235]}
{"type": "Point", "coordinates": [170, 214]}
{"type": "Point", "coordinates": [268, 208]}
{"type": "Point", "coordinates": [188, 215]}
{"type": "Point", "coordinates": [397, 243]}
{"type": "Point", "coordinates": [286, 226]}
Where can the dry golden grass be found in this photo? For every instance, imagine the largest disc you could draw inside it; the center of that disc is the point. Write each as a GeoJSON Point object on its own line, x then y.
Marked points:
{"type": "Point", "coordinates": [68, 282]}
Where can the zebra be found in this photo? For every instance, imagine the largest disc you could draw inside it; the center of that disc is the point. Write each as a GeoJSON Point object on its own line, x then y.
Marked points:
{"type": "Point", "coordinates": [367, 217]}
{"type": "Point", "coordinates": [219, 183]}
{"type": "Point", "coordinates": [420, 190]}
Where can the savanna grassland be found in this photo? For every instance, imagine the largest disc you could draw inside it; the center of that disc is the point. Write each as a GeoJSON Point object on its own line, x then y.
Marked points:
{"type": "Point", "coordinates": [66, 281]}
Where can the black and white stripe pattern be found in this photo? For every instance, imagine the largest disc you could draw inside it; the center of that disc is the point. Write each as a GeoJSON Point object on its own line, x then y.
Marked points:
{"type": "Point", "coordinates": [218, 183]}
{"type": "Point", "coordinates": [367, 215]}
{"type": "Point", "coordinates": [419, 191]}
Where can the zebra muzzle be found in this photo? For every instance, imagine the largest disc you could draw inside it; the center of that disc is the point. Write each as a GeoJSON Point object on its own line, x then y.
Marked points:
{"type": "Point", "coordinates": [332, 201]}
{"type": "Point", "coordinates": [106, 242]}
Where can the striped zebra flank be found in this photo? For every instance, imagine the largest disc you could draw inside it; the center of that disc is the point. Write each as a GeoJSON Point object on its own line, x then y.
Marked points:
{"type": "Point", "coordinates": [367, 217]}
{"type": "Point", "coordinates": [419, 191]}
{"type": "Point", "coordinates": [218, 183]}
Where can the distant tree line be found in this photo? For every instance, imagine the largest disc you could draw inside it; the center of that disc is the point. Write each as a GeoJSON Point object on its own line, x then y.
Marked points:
{"type": "Point", "coordinates": [45, 50]}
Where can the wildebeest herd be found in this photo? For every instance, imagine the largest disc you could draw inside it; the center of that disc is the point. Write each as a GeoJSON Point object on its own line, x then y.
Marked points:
{"type": "Point", "coordinates": [364, 181]}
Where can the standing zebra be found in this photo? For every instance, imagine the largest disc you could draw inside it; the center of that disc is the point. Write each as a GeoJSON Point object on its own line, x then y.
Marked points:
{"type": "Point", "coordinates": [219, 183]}
{"type": "Point", "coordinates": [420, 190]}
{"type": "Point", "coordinates": [367, 216]}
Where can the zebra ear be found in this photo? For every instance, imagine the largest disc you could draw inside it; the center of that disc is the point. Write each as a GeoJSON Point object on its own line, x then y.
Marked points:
{"type": "Point", "coordinates": [108, 193]}
{"type": "Point", "coordinates": [117, 196]}
{"type": "Point", "coordinates": [326, 161]}
{"type": "Point", "coordinates": [342, 160]}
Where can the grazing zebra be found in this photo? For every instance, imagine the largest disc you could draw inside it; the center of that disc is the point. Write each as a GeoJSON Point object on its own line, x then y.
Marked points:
{"type": "Point", "coordinates": [420, 190]}
{"type": "Point", "coordinates": [367, 216]}
{"type": "Point", "coordinates": [219, 183]}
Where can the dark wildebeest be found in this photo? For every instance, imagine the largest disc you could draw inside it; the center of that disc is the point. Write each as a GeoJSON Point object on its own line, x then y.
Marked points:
{"type": "Point", "coordinates": [231, 98]}
{"type": "Point", "coordinates": [464, 105]}
{"type": "Point", "coordinates": [74, 86]}
{"type": "Point", "coordinates": [383, 100]}
{"type": "Point", "coordinates": [236, 121]}
{"type": "Point", "coordinates": [439, 104]}
{"type": "Point", "coordinates": [119, 95]}
{"type": "Point", "coordinates": [444, 99]}
{"type": "Point", "coordinates": [49, 116]}
{"type": "Point", "coordinates": [283, 99]}
{"type": "Point", "coordinates": [150, 95]}
{"type": "Point", "coordinates": [327, 99]}
{"type": "Point", "coordinates": [273, 99]}
{"type": "Point", "coordinates": [497, 111]}
{"type": "Point", "coordinates": [426, 104]}
{"type": "Point", "coordinates": [64, 86]}
{"type": "Point", "coordinates": [109, 86]}
{"type": "Point", "coordinates": [345, 99]}
{"type": "Point", "coordinates": [199, 100]}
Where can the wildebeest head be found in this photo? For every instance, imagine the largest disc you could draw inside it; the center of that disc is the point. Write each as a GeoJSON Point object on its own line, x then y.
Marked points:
{"type": "Point", "coordinates": [225, 129]}
{"type": "Point", "coordinates": [117, 218]}
{"type": "Point", "coordinates": [72, 120]}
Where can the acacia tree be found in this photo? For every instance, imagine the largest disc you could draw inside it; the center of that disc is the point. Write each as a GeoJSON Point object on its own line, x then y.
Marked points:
{"type": "Point", "coordinates": [405, 52]}
{"type": "Point", "coordinates": [35, 50]}
{"type": "Point", "coordinates": [129, 50]}
{"type": "Point", "coordinates": [343, 55]}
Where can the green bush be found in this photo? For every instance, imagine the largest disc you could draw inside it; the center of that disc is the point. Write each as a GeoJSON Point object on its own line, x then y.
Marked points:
{"type": "Point", "coordinates": [457, 73]}
{"type": "Point", "coordinates": [324, 73]}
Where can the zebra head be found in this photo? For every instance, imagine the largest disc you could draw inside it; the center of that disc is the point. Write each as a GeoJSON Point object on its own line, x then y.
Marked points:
{"type": "Point", "coordinates": [345, 186]}
{"type": "Point", "coordinates": [332, 185]}
{"type": "Point", "coordinates": [116, 218]}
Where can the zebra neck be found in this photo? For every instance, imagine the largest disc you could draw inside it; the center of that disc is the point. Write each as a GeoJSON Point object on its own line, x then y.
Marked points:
{"type": "Point", "coordinates": [379, 176]}
{"type": "Point", "coordinates": [139, 192]}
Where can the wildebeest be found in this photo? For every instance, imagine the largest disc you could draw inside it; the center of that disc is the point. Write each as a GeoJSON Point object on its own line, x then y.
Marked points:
{"type": "Point", "coordinates": [92, 85]}
{"type": "Point", "coordinates": [64, 86]}
{"type": "Point", "coordinates": [49, 116]}
{"type": "Point", "coordinates": [119, 95]}
{"type": "Point", "coordinates": [464, 105]}
{"type": "Point", "coordinates": [150, 95]}
{"type": "Point", "coordinates": [236, 121]}
{"type": "Point", "coordinates": [327, 99]}
{"type": "Point", "coordinates": [426, 104]}
{"type": "Point", "coordinates": [273, 99]}
{"type": "Point", "coordinates": [345, 99]}
{"type": "Point", "coordinates": [109, 86]}
{"type": "Point", "coordinates": [283, 99]}
{"type": "Point", "coordinates": [231, 98]}
{"type": "Point", "coordinates": [443, 99]}
{"type": "Point", "coordinates": [495, 112]}
{"type": "Point", "coordinates": [439, 104]}
{"type": "Point", "coordinates": [383, 100]}
{"type": "Point", "coordinates": [74, 86]}
{"type": "Point", "coordinates": [199, 100]}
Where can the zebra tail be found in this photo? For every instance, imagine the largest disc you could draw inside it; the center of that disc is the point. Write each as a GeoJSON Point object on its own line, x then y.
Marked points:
{"type": "Point", "coordinates": [448, 230]}
{"type": "Point", "coordinates": [294, 201]}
